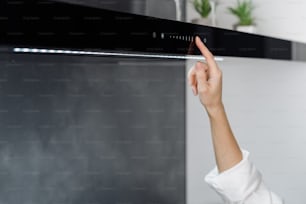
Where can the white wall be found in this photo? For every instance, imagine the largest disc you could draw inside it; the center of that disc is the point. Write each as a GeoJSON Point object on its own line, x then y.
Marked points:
{"type": "Point", "coordinates": [282, 19]}
{"type": "Point", "coordinates": [266, 104]}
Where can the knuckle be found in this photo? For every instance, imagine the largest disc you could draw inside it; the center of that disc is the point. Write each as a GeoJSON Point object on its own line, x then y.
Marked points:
{"type": "Point", "coordinates": [201, 75]}
{"type": "Point", "coordinates": [205, 67]}
{"type": "Point", "coordinates": [199, 65]}
{"type": "Point", "coordinates": [200, 71]}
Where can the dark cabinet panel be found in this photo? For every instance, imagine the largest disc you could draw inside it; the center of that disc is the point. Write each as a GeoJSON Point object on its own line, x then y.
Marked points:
{"type": "Point", "coordinates": [91, 130]}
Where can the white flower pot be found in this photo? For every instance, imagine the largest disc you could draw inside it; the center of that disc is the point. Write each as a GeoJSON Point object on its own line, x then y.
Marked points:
{"type": "Point", "coordinates": [246, 29]}
{"type": "Point", "coordinates": [202, 21]}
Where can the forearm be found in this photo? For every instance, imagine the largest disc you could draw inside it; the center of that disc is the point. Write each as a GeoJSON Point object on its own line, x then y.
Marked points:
{"type": "Point", "coordinates": [206, 81]}
{"type": "Point", "coordinates": [227, 151]}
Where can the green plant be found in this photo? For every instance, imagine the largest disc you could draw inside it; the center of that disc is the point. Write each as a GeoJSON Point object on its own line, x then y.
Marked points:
{"type": "Point", "coordinates": [243, 11]}
{"type": "Point", "coordinates": [203, 7]}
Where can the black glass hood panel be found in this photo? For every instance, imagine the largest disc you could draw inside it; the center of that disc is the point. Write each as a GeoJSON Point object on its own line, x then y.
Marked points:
{"type": "Point", "coordinates": [128, 6]}
{"type": "Point", "coordinates": [54, 25]}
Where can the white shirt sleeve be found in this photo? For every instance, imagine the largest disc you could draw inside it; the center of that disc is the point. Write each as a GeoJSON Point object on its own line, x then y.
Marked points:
{"type": "Point", "coordinates": [242, 184]}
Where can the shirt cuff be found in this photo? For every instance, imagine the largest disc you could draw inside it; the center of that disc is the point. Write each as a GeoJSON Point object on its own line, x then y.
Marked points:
{"type": "Point", "coordinates": [236, 183]}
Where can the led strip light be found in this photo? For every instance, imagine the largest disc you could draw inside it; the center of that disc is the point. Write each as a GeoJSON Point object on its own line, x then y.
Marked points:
{"type": "Point", "coordinates": [117, 54]}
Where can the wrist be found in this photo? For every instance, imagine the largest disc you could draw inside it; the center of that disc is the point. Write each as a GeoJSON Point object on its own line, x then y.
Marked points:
{"type": "Point", "coordinates": [214, 110]}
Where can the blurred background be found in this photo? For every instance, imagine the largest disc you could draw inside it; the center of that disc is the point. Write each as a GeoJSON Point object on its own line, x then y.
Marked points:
{"type": "Point", "coordinates": [281, 19]}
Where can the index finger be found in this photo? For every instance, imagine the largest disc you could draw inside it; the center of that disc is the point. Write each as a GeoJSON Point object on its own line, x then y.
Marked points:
{"type": "Point", "coordinates": [206, 53]}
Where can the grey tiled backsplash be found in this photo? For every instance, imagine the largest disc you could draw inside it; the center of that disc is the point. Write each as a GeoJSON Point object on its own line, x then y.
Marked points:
{"type": "Point", "coordinates": [91, 130]}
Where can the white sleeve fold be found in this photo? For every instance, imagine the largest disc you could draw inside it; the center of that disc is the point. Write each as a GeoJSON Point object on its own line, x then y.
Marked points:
{"type": "Point", "coordinates": [242, 184]}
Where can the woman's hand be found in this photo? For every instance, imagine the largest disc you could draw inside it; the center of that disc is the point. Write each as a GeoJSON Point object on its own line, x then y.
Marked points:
{"type": "Point", "coordinates": [206, 80]}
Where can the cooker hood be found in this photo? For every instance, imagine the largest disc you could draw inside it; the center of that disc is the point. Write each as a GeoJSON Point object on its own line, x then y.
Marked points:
{"type": "Point", "coordinates": [57, 27]}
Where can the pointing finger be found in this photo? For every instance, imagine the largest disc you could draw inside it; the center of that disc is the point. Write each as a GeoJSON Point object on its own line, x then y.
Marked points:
{"type": "Point", "coordinates": [207, 54]}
